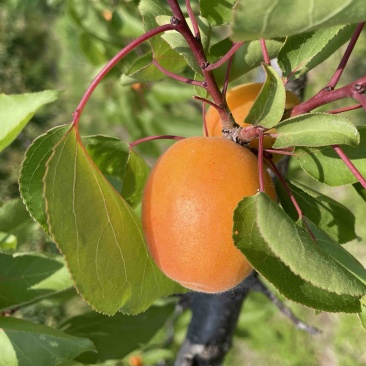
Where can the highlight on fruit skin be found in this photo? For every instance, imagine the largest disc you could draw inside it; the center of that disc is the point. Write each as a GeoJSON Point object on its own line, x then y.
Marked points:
{"type": "Point", "coordinates": [187, 211]}
{"type": "Point", "coordinates": [240, 100]}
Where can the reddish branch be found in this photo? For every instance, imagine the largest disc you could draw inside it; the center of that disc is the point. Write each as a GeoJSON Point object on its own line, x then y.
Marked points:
{"type": "Point", "coordinates": [130, 47]}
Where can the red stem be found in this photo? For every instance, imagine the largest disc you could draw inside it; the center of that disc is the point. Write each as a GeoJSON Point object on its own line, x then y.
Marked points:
{"type": "Point", "coordinates": [226, 57]}
{"type": "Point", "coordinates": [266, 58]}
{"type": "Point", "coordinates": [345, 109]}
{"type": "Point", "coordinates": [151, 138]}
{"type": "Point", "coordinates": [227, 75]}
{"type": "Point", "coordinates": [260, 160]}
{"type": "Point", "coordinates": [196, 29]}
{"type": "Point", "coordinates": [204, 118]}
{"type": "Point", "coordinates": [337, 75]}
{"type": "Point", "coordinates": [130, 47]}
{"type": "Point", "coordinates": [178, 77]}
{"type": "Point", "coordinates": [350, 165]}
{"type": "Point", "coordinates": [353, 90]}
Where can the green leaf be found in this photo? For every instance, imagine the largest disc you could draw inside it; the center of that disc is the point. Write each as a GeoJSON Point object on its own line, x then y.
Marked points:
{"type": "Point", "coordinates": [115, 337]}
{"type": "Point", "coordinates": [285, 254]}
{"type": "Point", "coordinates": [28, 344]}
{"type": "Point", "coordinates": [246, 58]}
{"type": "Point", "coordinates": [303, 52]}
{"type": "Point", "coordinates": [327, 167]}
{"type": "Point", "coordinates": [329, 215]}
{"type": "Point", "coordinates": [316, 129]}
{"type": "Point", "coordinates": [268, 108]}
{"type": "Point", "coordinates": [217, 12]}
{"type": "Point", "coordinates": [7, 241]}
{"type": "Point", "coordinates": [360, 190]}
{"type": "Point", "coordinates": [26, 278]}
{"type": "Point", "coordinates": [362, 314]}
{"type": "Point", "coordinates": [99, 234]}
{"type": "Point", "coordinates": [179, 44]}
{"type": "Point", "coordinates": [114, 158]}
{"type": "Point", "coordinates": [163, 53]}
{"type": "Point", "coordinates": [32, 171]}
{"type": "Point", "coordinates": [255, 19]}
{"type": "Point", "coordinates": [337, 252]}
{"type": "Point", "coordinates": [17, 110]}
{"type": "Point", "coordinates": [13, 215]}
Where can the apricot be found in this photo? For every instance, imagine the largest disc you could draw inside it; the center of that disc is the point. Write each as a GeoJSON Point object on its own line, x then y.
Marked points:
{"type": "Point", "coordinates": [240, 100]}
{"type": "Point", "coordinates": [187, 211]}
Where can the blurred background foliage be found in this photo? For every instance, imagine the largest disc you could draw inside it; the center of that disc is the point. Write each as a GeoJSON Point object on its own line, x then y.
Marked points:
{"type": "Point", "coordinates": [58, 44]}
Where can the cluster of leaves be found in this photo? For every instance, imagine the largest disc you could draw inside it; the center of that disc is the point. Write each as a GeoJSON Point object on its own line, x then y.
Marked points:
{"type": "Point", "coordinates": [63, 175]}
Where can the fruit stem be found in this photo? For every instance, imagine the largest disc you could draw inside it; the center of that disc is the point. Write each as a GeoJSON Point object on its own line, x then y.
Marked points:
{"type": "Point", "coordinates": [178, 77]}
{"type": "Point", "coordinates": [151, 138]}
{"type": "Point", "coordinates": [350, 165]}
{"type": "Point", "coordinates": [227, 75]}
{"type": "Point", "coordinates": [122, 53]}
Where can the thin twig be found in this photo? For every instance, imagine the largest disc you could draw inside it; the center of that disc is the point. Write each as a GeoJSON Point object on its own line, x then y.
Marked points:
{"type": "Point", "coordinates": [299, 324]}
{"type": "Point", "coordinates": [350, 165]}
{"type": "Point", "coordinates": [196, 29]}
{"type": "Point", "coordinates": [178, 77]}
{"type": "Point", "coordinates": [337, 75]}
{"type": "Point", "coordinates": [226, 57]}
{"type": "Point", "coordinates": [151, 138]}
{"type": "Point", "coordinates": [265, 54]}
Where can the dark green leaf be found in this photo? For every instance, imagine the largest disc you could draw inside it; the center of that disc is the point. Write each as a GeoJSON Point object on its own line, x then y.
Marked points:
{"type": "Point", "coordinates": [360, 190]}
{"type": "Point", "coordinates": [99, 234]}
{"type": "Point", "coordinates": [285, 254]}
{"type": "Point", "coordinates": [329, 215]}
{"type": "Point", "coordinates": [327, 167]}
{"type": "Point", "coordinates": [29, 344]}
{"type": "Point", "coordinates": [268, 108]}
{"type": "Point", "coordinates": [32, 172]}
{"type": "Point", "coordinates": [27, 278]}
{"type": "Point", "coordinates": [17, 110]}
{"type": "Point", "coordinates": [316, 129]}
{"type": "Point", "coordinates": [118, 335]}
{"type": "Point", "coordinates": [302, 52]}
{"type": "Point", "coordinates": [255, 19]}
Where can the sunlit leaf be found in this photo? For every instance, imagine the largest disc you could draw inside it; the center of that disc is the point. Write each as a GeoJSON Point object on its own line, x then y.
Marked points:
{"type": "Point", "coordinates": [286, 255]}
{"type": "Point", "coordinates": [329, 215]}
{"type": "Point", "coordinates": [268, 108]}
{"type": "Point", "coordinates": [99, 234]}
{"type": "Point", "coordinates": [27, 278]}
{"type": "Point", "coordinates": [179, 44]}
{"type": "Point", "coordinates": [316, 129]}
{"type": "Point", "coordinates": [17, 110]}
{"type": "Point", "coordinates": [7, 241]}
{"type": "Point", "coordinates": [32, 171]}
{"type": "Point", "coordinates": [217, 12]}
{"type": "Point", "coordinates": [255, 19]}
{"type": "Point", "coordinates": [324, 164]}
{"type": "Point", "coordinates": [302, 52]}
{"type": "Point", "coordinates": [29, 344]}
{"type": "Point", "coordinates": [115, 337]}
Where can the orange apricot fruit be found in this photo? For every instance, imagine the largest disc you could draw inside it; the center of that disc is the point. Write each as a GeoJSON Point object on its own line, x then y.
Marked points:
{"type": "Point", "coordinates": [187, 211]}
{"type": "Point", "coordinates": [240, 100]}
